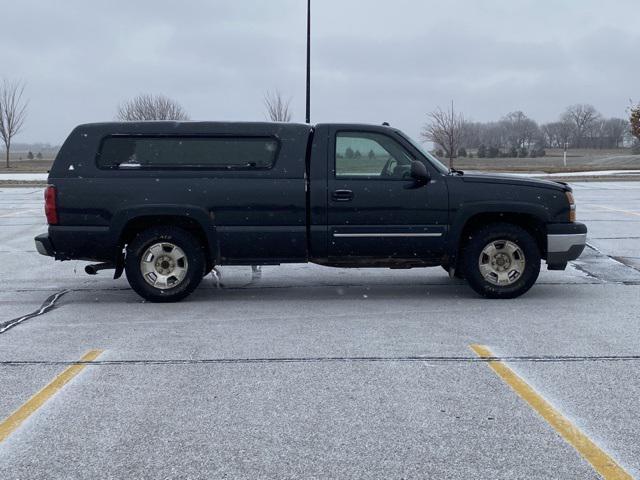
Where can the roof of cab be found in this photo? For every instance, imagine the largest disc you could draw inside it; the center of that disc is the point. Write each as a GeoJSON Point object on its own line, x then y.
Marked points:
{"type": "Point", "coordinates": [173, 127]}
{"type": "Point", "coordinates": [182, 127]}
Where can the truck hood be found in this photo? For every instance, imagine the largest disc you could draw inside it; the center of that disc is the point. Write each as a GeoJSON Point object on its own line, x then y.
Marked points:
{"type": "Point", "coordinates": [504, 178]}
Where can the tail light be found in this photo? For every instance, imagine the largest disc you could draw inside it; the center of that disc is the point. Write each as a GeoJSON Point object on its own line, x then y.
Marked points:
{"type": "Point", "coordinates": [50, 206]}
{"type": "Point", "coordinates": [572, 207]}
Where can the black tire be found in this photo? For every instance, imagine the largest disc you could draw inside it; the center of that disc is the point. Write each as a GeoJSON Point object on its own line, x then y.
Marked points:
{"type": "Point", "coordinates": [194, 265]}
{"type": "Point", "coordinates": [497, 232]}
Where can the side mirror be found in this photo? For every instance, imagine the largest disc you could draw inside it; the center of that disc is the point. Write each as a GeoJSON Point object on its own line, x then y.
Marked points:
{"type": "Point", "coordinates": [419, 173]}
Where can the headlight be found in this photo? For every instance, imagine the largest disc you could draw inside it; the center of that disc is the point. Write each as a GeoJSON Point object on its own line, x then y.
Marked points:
{"type": "Point", "coordinates": [572, 207]}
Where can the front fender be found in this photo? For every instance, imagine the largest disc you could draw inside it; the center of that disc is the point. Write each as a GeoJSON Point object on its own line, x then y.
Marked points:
{"type": "Point", "coordinates": [468, 211]}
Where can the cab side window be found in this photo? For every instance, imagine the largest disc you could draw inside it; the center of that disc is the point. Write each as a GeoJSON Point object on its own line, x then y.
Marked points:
{"type": "Point", "coordinates": [156, 152]}
{"type": "Point", "coordinates": [366, 154]}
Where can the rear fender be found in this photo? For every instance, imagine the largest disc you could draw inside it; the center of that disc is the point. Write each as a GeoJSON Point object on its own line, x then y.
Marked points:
{"type": "Point", "coordinates": [164, 213]}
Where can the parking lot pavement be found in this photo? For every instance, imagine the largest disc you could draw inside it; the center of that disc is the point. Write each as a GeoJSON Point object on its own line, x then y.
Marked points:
{"type": "Point", "coordinates": [304, 371]}
{"type": "Point", "coordinates": [613, 212]}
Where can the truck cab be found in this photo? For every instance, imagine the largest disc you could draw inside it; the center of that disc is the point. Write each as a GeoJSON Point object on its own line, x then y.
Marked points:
{"type": "Point", "coordinates": [378, 199]}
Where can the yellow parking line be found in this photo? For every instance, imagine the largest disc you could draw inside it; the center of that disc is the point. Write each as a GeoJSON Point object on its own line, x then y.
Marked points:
{"type": "Point", "coordinates": [14, 420]}
{"type": "Point", "coordinates": [599, 460]}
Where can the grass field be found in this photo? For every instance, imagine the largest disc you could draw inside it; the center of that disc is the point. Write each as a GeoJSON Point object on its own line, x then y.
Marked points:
{"type": "Point", "coordinates": [26, 166]}
{"type": "Point", "coordinates": [577, 160]}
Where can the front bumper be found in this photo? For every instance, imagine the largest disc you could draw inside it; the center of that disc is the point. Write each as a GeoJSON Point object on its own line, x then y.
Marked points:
{"type": "Point", "coordinates": [565, 242]}
{"type": "Point", "coordinates": [44, 245]}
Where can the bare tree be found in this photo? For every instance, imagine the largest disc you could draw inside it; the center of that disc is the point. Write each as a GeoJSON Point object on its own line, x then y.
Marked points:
{"type": "Point", "coordinates": [151, 107]}
{"type": "Point", "coordinates": [445, 129]}
{"type": "Point", "coordinates": [493, 134]}
{"type": "Point", "coordinates": [582, 116]}
{"type": "Point", "coordinates": [13, 112]}
{"type": "Point", "coordinates": [472, 132]}
{"type": "Point", "coordinates": [614, 129]}
{"type": "Point", "coordinates": [549, 134]}
{"type": "Point", "coordinates": [566, 131]}
{"type": "Point", "coordinates": [558, 134]}
{"type": "Point", "coordinates": [520, 129]}
{"type": "Point", "coordinates": [277, 107]}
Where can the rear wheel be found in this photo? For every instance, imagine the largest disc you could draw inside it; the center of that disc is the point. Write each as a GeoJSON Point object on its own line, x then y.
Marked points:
{"type": "Point", "coordinates": [501, 260]}
{"type": "Point", "coordinates": [165, 264]}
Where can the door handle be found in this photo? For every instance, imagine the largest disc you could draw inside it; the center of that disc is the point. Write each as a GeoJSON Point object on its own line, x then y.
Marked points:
{"type": "Point", "coordinates": [342, 195]}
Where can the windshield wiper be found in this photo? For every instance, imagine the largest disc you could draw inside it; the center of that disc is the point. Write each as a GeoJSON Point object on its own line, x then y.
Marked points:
{"type": "Point", "coordinates": [455, 170]}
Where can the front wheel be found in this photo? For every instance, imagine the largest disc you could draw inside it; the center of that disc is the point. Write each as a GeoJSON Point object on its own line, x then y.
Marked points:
{"type": "Point", "coordinates": [501, 260]}
{"type": "Point", "coordinates": [165, 264]}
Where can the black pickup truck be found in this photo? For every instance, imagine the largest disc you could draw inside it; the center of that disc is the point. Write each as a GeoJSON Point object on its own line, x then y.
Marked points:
{"type": "Point", "coordinates": [168, 201]}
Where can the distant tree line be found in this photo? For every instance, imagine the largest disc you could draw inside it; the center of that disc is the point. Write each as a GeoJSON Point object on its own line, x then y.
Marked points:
{"type": "Point", "coordinates": [517, 135]}
{"type": "Point", "coordinates": [580, 126]}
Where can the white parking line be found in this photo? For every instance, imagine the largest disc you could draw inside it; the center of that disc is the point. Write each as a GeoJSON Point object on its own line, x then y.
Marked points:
{"type": "Point", "coordinates": [627, 212]}
{"type": "Point", "coordinates": [19, 212]}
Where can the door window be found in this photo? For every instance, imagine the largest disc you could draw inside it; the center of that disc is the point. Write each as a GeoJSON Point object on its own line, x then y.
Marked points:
{"type": "Point", "coordinates": [366, 154]}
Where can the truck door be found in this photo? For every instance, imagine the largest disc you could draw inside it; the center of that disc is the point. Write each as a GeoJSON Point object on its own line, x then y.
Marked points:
{"type": "Point", "coordinates": [375, 210]}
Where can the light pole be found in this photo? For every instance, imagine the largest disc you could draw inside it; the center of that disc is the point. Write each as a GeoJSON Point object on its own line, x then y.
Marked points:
{"type": "Point", "coordinates": [308, 113]}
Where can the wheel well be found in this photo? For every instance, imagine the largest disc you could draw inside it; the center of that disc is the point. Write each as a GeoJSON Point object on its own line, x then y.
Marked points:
{"type": "Point", "coordinates": [139, 224]}
{"type": "Point", "coordinates": [530, 223]}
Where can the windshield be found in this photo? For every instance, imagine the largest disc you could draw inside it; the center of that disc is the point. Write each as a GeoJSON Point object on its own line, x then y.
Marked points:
{"type": "Point", "coordinates": [434, 161]}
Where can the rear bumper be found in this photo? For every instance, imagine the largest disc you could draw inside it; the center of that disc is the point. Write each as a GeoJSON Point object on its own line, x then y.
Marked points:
{"type": "Point", "coordinates": [77, 243]}
{"type": "Point", "coordinates": [565, 242]}
{"type": "Point", "coordinates": [44, 245]}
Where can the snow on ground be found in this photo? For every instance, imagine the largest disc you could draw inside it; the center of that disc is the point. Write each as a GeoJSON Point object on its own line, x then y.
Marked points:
{"type": "Point", "coordinates": [307, 371]}
{"type": "Point", "coordinates": [591, 173]}
{"type": "Point", "coordinates": [594, 173]}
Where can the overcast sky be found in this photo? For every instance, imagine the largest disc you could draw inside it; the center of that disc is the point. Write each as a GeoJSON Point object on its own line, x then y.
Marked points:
{"type": "Point", "coordinates": [372, 61]}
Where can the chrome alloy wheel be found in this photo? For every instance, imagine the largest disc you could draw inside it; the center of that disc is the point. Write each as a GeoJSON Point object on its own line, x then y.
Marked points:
{"type": "Point", "coordinates": [501, 262]}
{"type": "Point", "coordinates": [164, 265]}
